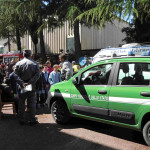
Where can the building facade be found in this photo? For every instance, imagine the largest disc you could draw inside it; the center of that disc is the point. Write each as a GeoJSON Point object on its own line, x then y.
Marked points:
{"type": "Point", "coordinates": [91, 38]}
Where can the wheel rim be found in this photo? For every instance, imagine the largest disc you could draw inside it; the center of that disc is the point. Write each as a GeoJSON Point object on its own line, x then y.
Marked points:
{"type": "Point", "coordinates": [58, 112]}
{"type": "Point", "coordinates": [149, 133]}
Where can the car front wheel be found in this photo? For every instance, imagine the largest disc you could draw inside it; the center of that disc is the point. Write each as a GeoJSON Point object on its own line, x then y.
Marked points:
{"type": "Point", "coordinates": [146, 133]}
{"type": "Point", "coordinates": [60, 112]}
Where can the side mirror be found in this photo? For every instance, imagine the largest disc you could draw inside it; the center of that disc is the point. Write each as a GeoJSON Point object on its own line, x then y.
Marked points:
{"type": "Point", "coordinates": [75, 81]}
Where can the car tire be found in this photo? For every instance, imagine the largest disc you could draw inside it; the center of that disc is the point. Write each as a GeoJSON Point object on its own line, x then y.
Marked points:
{"type": "Point", "coordinates": [60, 112]}
{"type": "Point", "coordinates": [146, 133]}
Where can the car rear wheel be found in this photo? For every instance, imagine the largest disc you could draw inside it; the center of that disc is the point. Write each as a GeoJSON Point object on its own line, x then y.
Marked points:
{"type": "Point", "coordinates": [146, 133]}
{"type": "Point", "coordinates": [60, 112]}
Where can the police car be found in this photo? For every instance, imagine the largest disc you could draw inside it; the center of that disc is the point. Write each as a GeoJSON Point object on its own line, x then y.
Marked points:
{"type": "Point", "coordinates": [114, 91]}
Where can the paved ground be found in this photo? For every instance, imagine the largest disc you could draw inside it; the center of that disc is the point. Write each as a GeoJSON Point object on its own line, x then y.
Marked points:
{"type": "Point", "coordinates": [77, 135]}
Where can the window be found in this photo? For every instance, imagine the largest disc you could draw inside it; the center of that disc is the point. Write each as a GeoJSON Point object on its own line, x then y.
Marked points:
{"type": "Point", "coordinates": [134, 74]}
{"type": "Point", "coordinates": [98, 75]}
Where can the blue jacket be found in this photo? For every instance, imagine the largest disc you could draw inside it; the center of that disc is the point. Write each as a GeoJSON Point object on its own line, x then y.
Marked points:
{"type": "Point", "coordinates": [54, 77]}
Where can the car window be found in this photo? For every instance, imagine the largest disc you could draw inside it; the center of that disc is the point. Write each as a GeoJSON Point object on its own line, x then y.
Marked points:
{"type": "Point", "coordinates": [98, 75]}
{"type": "Point", "coordinates": [134, 74]}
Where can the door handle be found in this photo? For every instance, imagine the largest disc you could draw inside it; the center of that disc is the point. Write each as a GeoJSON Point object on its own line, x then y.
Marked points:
{"type": "Point", "coordinates": [145, 94]}
{"type": "Point", "coordinates": [102, 92]}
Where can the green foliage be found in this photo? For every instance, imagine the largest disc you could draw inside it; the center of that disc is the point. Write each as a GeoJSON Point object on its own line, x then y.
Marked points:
{"type": "Point", "coordinates": [108, 10]}
{"type": "Point", "coordinates": [35, 15]}
{"type": "Point", "coordinates": [10, 23]}
{"type": "Point", "coordinates": [130, 34]}
{"type": "Point", "coordinates": [140, 29]}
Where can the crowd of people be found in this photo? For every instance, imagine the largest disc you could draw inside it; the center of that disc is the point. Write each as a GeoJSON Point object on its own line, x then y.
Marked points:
{"type": "Point", "coordinates": [16, 76]}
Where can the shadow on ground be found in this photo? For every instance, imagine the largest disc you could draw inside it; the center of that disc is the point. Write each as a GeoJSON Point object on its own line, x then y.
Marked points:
{"type": "Point", "coordinates": [115, 131]}
{"type": "Point", "coordinates": [40, 137]}
{"type": "Point", "coordinates": [48, 136]}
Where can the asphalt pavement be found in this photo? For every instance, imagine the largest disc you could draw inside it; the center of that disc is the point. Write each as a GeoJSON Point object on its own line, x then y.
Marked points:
{"type": "Point", "coordinates": [79, 134]}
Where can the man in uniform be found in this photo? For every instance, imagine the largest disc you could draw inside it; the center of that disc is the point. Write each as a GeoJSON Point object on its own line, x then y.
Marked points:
{"type": "Point", "coordinates": [27, 73]}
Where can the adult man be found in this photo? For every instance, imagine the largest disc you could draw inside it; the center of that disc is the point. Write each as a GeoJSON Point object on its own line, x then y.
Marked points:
{"type": "Point", "coordinates": [66, 70]}
{"type": "Point", "coordinates": [27, 73]}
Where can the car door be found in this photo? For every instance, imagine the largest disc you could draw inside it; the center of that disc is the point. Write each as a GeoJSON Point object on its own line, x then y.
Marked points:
{"type": "Point", "coordinates": [129, 91]}
{"type": "Point", "coordinates": [90, 96]}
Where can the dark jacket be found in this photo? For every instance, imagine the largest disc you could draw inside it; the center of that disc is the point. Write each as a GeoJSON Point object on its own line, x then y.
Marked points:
{"type": "Point", "coordinates": [41, 82]}
{"type": "Point", "coordinates": [13, 83]}
{"type": "Point", "coordinates": [6, 93]}
{"type": "Point", "coordinates": [27, 71]}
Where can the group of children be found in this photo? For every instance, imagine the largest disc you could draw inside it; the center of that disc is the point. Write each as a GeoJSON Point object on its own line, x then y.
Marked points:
{"type": "Point", "coordinates": [48, 77]}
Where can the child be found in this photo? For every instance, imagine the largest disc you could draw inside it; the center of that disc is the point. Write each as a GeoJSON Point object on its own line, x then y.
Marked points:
{"type": "Point", "coordinates": [49, 69]}
{"type": "Point", "coordinates": [45, 78]}
{"type": "Point", "coordinates": [40, 88]}
{"type": "Point", "coordinates": [54, 76]}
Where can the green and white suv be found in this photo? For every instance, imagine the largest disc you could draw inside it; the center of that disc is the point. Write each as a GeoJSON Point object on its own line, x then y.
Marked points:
{"type": "Point", "coordinates": [114, 91]}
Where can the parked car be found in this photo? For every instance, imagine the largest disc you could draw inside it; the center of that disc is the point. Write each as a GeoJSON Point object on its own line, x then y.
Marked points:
{"type": "Point", "coordinates": [114, 91]}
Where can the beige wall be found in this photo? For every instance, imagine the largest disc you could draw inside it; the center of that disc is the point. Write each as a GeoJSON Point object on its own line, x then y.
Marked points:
{"type": "Point", "coordinates": [110, 35]}
{"type": "Point", "coordinates": [91, 38]}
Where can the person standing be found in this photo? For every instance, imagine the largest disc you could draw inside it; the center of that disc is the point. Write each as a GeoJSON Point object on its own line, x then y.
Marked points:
{"type": "Point", "coordinates": [75, 67]}
{"type": "Point", "coordinates": [10, 68]}
{"type": "Point", "coordinates": [3, 69]}
{"type": "Point", "coordinates": [39, 88]}
{"type": "Point", "coordinates": [7, 70]}
{"type": "Point", "coordinates": [27, 73]}
{"type": "Point", "coordinates": [43, 85]}
{"type": "Point", "coordinates": [49, 68]}
{"type": "Point", "coordinates": [66, 70]}
{"type": "Point", "coordinates": [55, 76]}
{"type": "Point", "coordinates": [13, 84]}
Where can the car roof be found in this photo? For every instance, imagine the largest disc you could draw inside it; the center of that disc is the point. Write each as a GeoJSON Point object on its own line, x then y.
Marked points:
{"type": "Point", "coordinates": [126, 58]}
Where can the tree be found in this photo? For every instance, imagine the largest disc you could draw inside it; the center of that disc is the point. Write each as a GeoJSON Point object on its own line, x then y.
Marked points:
{"type": "Point", "coordinates": [69, 10]}
{"type": "Point", "coordinates": [130, 34]}
{"type": "Point", "coordinates": [108, 10]}
{"type": "Point", "coordinates": [47, 19]}
{"type": "Point", "coordinates": [11, 24]}
{"type": "Point", "coordinates": [28, 11]}
{"type": "Point", "coordinates": [139, 31]}
{"type": "Point", "coordinates": [142, 23]}
{"type": "Point", "coordinates": [35, 14]}
{"type": "Point", "coordinates": [41, 21]}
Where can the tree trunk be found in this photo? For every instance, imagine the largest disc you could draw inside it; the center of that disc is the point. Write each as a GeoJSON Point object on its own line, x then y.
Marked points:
{"type": "Point", "coordinates": [18, 39]}
{"type": "Point", "coordinates": [35, 51]}
{"type": "Point", "coordinates": [42, 45]}
{"type": "Point", "coordinates": [9, 48]}
{"type": "Point", "coordinates": [77, 43]}
{"type": "Point", "coordinates": [34, 38]}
